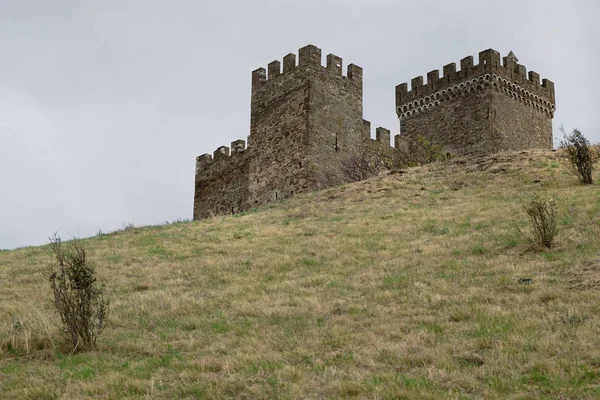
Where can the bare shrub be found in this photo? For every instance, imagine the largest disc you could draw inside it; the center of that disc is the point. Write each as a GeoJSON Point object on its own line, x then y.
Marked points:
{"type": "Point", "coordinates": [352, 163]}
{"type": "Point", "coordinates": [358, 162]}
{"type": "Point", "coordinates": [78, 297]}
{"type": "Point", "coordinates": [580, 154]}
{"type": "Point", "coordinates": [543, 217]}
{"type": "Point", "coordinates": [359, 166]}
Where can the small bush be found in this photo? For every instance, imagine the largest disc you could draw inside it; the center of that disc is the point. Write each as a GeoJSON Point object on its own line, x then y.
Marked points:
{"type": "Point", "coordinates": [543, 216]}
{"type": "Point", "coordinates": [78, 297]}
{"type": "Point", "coordinates": [580, 154]}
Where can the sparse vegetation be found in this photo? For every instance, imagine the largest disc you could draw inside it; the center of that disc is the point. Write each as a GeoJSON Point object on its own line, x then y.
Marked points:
{"type": "Point", "coordinates": [422, 151]}
{"type": "Point", "coordinates": [403, 286]}
{"type": "Point", "coordinates": [544, 220]}
{"type": "Point", "coordinates": [79, 298]}
{"type": "Point", "coordinates": [359, 165]}
{"type": "Point", "coordinates": [581, 155]}
{"type": "Point", "coordinates": [26, 334]}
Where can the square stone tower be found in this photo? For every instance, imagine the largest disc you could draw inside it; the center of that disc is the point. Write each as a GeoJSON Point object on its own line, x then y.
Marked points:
{"type": "Point", "coordinates": [480, 109]}
{"type": "Point", "coordinates": [305, 119]}
{"type": "Point", "coordinates": [300, 119]}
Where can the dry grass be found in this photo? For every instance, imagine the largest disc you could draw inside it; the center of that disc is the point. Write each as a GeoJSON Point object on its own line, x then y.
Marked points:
{"type": "Point", "coordinates": [422, 284]}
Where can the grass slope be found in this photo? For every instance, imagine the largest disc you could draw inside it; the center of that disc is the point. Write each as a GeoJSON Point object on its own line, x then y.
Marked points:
{"type": "Point", "coordinates": [404, 286]}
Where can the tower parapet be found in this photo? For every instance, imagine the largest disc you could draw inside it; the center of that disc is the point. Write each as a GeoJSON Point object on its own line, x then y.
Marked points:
{"type": "Point", "coordinates": [308, 57]}
{"type": "Point", "coordinates": [509, 77]}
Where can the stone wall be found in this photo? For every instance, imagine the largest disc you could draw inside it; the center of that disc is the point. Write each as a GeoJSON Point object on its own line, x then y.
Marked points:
{"type": "Point", "coordinates": [518, 125]}
{"type": "Point", "coordinates": [461, 126]}
{"type": "Point", "coordinates": [278, 136]}
{"type": "Point", "coordinates": [336, 126]}
{"type": "Point", "coordinates": [222, 181]}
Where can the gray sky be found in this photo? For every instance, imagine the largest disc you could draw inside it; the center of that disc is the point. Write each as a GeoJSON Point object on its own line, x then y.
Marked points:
{"type": "Point", "coordinates": [104, 104]}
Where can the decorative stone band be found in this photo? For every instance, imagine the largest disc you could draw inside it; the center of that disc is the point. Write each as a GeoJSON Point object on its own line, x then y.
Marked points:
{"type": "Point", "coordinates": [510, 89]}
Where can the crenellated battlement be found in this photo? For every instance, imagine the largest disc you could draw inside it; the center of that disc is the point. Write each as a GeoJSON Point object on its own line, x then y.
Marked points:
{"type": "Point", "coordinates": [308, 57]}
{"type": "Point", "coordinates": [509, 77]}
{"type": "Point", "coordinates": [220, 157]}
{"type": "Point", "coordinates": [382, 135]}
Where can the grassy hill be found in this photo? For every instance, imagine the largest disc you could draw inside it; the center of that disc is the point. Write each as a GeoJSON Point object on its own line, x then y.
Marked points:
{"type": "Point", "coordinates": [403, 286]}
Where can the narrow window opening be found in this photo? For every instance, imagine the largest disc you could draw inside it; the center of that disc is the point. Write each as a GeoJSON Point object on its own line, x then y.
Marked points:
{"type": "Point", "coordinates": [338, 133]}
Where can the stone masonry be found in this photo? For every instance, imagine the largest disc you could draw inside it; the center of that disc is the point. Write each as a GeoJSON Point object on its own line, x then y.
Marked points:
{"type": "Point", "coordinates": [306, 123]}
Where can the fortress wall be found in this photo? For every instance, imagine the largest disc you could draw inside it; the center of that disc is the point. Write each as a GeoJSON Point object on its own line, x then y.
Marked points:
{"type": "Point", "coordinates": [460, 126]}
{"type": "Point", "coordinates": [279, 135]}
{"type": "Point", "coordinates": [379, 150]}
{"type": "Point", "coordinates": [222, 182]}
{"type": "Point", "coordinates": [519, 126]}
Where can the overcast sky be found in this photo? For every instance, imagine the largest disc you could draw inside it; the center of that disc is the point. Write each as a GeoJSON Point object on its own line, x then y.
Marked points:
{"type": "Point", "coordinates": [104, 104]}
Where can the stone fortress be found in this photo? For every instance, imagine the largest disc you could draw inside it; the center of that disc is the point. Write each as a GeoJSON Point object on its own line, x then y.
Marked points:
{"type": "Point", "coordinates": [306, 122]}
